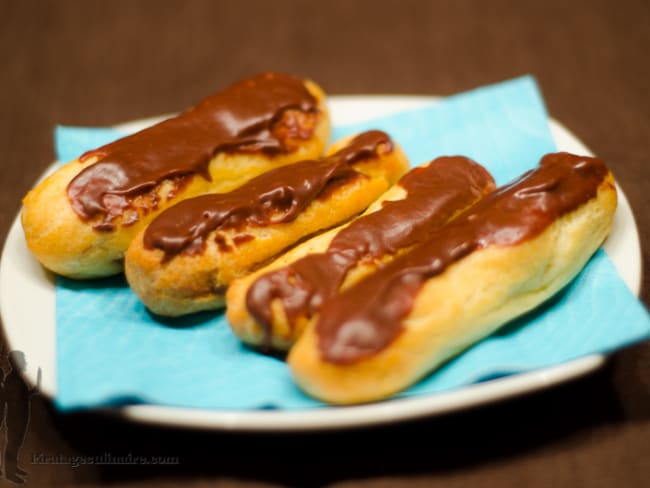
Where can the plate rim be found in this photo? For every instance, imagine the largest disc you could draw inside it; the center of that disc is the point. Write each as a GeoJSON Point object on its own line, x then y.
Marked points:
{"type": "Point", "coordinates": [334, 417]}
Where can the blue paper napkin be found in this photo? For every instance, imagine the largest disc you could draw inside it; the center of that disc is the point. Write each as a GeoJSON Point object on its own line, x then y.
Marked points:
{"type": "Point", "coordinates": [111, 351]}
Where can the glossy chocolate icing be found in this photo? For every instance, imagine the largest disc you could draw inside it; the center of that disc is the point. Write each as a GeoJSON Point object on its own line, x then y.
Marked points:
{"type": "Point", "coordinates": [238, 119]}
{"type": "Point", "coordinates": [435, 193]}
{"type": "Point", "coordinates": [367, 317]}
{"type": "Point", "coordinates": [276, 196]}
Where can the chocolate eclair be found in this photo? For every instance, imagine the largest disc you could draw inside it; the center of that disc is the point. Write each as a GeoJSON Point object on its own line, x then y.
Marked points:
{"type": "Point", "coordinates": [79, 221]}
{"type": "Point", "coordinates": [499, 259]}
{"type": "Point", "coordinates": [185, 259]}
{"type": "Point", "coordinates": [271, 307]}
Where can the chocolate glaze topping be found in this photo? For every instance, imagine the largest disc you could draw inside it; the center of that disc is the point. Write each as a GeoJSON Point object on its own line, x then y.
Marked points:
{"type": "Point", "coordinates": [436, 192]}
{"type": "Point", "coordinates": [238, 119]}
{"type": "Point", "coordinates": [273, 197]}
{"type": "Point", "coordinates": [367, 317]}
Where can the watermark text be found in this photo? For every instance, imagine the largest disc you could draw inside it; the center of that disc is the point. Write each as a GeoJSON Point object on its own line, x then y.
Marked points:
{"type": "Point", "coordinates": [106, 458]}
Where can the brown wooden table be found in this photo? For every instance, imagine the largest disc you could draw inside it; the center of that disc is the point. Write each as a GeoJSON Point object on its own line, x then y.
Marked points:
{"type": "Point", "coordinates": [99, 63]}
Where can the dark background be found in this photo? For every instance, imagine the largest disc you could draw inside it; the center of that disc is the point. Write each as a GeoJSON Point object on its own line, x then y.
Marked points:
{"type": "Point", "coordinates": [99, 63]}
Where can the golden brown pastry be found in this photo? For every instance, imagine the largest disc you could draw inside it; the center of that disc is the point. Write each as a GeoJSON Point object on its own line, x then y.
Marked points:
{"type": "Point", "coordinates": [79, 221]}
{"type": "Point", "coordinates": [501, 258]}
{"type": "Point", "coordinates": [185, 259]}
{"type": "Point", "coordinates": [271, 306]}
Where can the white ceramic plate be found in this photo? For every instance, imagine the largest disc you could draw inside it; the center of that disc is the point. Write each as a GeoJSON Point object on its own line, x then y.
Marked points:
{"type": "Point", "coordinates": [27, 303]}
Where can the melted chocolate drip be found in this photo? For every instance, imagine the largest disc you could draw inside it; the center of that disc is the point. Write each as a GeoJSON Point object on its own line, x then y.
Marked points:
{"type": "Point", "coordinates": [238, 119]}
{"type": "Point", "coordinates": [436, 193]}
{"type": "Point", "coordinates": [367, 317]}
{"type": "Point", "coordinates": [276, 196]}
